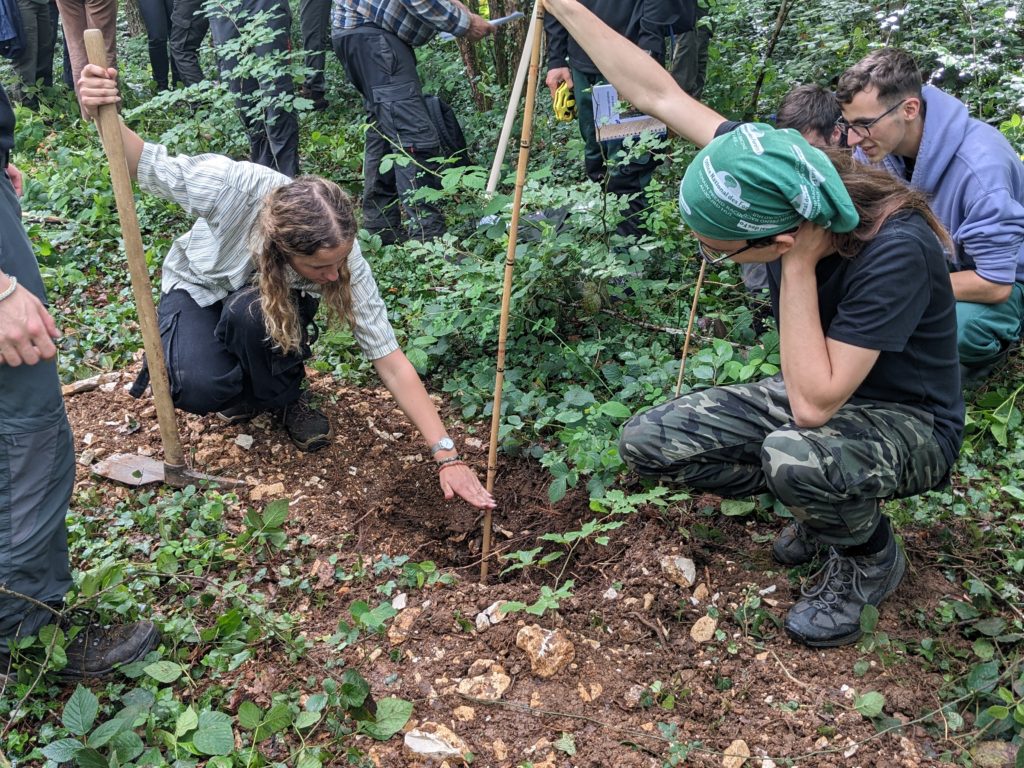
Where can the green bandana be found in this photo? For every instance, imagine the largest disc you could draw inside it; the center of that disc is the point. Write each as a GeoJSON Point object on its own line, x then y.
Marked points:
{"type": "Point", "coordinates": [757, 181]}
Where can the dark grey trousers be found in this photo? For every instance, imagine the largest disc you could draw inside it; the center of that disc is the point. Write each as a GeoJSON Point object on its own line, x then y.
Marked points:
{"type": "Point", "coordinates": [37, 460]}
{"type": "Point", "coordinates": [383, 69]}
{"type": "Point", "coordinates": [218, 356]}
{"type": "Point", "coordinates": [315, 25]}
{"type": "Point", "coordinates": [188, 28]}
{"type": "Point", "coordinates": [274, 136]}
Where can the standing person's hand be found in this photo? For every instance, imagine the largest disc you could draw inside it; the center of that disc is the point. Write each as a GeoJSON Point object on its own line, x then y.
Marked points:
{"type": "Point", "coordinates": [17, 179]}
{"type": "Point", "coordinates": [479, 28]}
{"type": "Point", "coordinates": [26, 328]}
{"type": "Point", "coordinates": [458, 479]}
{"type": "Point", "coordinates": [556, 77]}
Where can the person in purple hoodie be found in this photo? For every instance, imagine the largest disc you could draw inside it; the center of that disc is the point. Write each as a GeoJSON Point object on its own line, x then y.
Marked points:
{"type": "Point", "coordinates": [974, 181]}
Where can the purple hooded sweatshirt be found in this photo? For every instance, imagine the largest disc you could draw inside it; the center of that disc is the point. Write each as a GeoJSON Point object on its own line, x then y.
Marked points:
{"type": "Point", "coordinates": [975, 183]}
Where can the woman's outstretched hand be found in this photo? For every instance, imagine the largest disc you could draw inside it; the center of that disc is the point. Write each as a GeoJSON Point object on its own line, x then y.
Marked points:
{"type": "Point", "coordinates": [459, 480]}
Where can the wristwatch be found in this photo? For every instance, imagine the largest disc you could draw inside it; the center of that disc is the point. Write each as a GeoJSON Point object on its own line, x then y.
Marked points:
{"type": "Point", "coordinates": [444, 444]}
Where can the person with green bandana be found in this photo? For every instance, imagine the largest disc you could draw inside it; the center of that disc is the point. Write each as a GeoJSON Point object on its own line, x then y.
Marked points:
{"type": "Point", "coordinates": [868, 405]}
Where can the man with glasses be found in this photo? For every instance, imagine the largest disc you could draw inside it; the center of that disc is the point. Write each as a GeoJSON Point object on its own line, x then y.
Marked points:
{"type": "Point", "coordinates": [975, 183]}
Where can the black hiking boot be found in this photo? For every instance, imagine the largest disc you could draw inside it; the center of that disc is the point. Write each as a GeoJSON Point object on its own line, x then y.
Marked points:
{"type": "Point", "coordinates": [96, 651]}
{"type": "Point", "coordinates": [238, 414]}
{"type": "Point", "coordinates": [828, 613]}
{"type": "Point", "coordinates": [796, 545]}
{"type": "Point", "coordinates": [307, 426]}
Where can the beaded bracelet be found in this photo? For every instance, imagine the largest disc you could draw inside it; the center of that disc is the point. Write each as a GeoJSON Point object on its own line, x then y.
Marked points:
{"type": "Point", "coordinates": [6, 292]}
{"type": "Point", "coordinates": [450, 463]}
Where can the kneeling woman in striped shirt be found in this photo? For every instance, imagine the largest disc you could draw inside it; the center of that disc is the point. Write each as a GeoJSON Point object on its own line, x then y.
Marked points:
{"type": "Point", "coordinates": [239, 292]}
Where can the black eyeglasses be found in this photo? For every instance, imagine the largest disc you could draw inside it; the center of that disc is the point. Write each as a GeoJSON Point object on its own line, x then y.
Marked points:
{"type": "Point", "coordinates": [713, 257]}
{"type": "Point", "coordinates": [863, 130]}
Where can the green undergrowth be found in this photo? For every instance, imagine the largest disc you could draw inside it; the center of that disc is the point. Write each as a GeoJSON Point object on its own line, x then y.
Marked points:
{"type": "Point", "coordinates": [595, 335]}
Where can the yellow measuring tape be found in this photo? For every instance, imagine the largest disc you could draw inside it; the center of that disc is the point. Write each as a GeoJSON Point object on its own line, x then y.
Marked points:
{"type": "Point", "coordinates": [564, 103]}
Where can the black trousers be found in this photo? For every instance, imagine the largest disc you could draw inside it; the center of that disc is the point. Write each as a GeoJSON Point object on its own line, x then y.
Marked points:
{"type": "Point", "coordinates": [219, 357]}
{"type": "Point", "coordinates": [188, 28]}
{"type": "Point", "coordinates": [383, 69]}
{"type": "Point", "coordinates": [273, 137]}
{"type": "Point", "coordinates": [156, 15]}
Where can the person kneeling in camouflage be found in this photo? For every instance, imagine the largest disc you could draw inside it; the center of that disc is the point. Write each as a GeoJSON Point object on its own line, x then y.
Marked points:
{"type": "Point", "coordinates": [868, 405]}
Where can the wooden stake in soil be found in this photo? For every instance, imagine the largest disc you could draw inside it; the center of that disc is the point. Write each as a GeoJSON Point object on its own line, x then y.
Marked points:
{"type": "Point", "coordinates": [510, 260]}
{"type": "Point", "coordinates": [689, 325]}
{"type": "Point", "coordinates": [174, 471]}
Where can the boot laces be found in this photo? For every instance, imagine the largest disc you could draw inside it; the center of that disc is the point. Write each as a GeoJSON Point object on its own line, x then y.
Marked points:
{"type": "Point", "coordinates": [839, 576]}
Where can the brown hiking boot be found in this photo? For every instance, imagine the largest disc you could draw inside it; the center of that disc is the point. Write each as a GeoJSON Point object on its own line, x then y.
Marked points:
{"type": "Point", "coordinates": [96, 651]}
{"type": "Point", "coordinates": [308, 427]}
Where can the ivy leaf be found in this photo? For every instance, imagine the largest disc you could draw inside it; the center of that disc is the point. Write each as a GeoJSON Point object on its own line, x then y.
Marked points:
{"type": "Point", "coordinates": [983, 677]}
{"type": "Point", "coordinates": [127, 746]}
{"type": "Point", "coordinates": [62, 750]}
{"type": "Point", "coordinates": [870, 704]}
{"type": "Point", "coordinates": [616, 410]}
{"type": "Point", "coordinates": [164, 671]}
{"type": "Point", "coordinates": [277, 719]}
{"type": "Point", "coordinates": [991, 626]}
{"type": "Point", "coordinates": [392, 715]}
{"type": "Point", "coordinates": [249, 715]}
{"type": "Point", "coordinates": [187, 721]}
{"type": "Point", "coordinates": [90, 758]}
{"type": "Point", "coordinates": [735, 508]}
{"type": "Point", "coordinates": [214, 736]}
{"type": "Point", "coordinates": [80, 711]}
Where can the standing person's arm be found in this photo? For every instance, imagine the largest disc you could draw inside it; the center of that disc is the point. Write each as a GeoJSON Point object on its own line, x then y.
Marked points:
{"type": "Point", "coordinates": [404, 383]}
{"type": "Point", "coordinates": [558, 53]}
{"type": "Point", "coordinates": [637, 77]}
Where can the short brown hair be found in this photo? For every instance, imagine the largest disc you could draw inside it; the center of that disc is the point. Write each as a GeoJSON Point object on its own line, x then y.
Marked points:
{"type": "Point", "coordinates": [809, 108]}
{"type": "Point", "coordinates": [891, 72]}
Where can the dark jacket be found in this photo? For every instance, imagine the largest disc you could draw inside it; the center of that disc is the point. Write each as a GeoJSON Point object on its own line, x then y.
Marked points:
{"type": "Point", "coordinates": [644, 22]}
{"type": "Point", "coordinates": [6, 127]}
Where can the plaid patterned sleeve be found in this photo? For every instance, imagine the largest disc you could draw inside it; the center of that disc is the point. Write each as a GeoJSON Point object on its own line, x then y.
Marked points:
{"type": "Point", "coordinates": [414, 21]}
{"type": "Point", "coordinates": [440, 15]}
{"type": "Point", "coordinates": [373, 330]}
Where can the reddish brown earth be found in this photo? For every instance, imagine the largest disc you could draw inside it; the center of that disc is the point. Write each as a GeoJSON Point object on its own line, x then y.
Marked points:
{"type": "Point", "coordinates": [372, 494]}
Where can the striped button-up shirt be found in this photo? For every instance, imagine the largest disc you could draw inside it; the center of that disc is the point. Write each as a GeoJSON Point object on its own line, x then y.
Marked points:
{"type": "Point", "coordinates": [214, 258]}
{"type": "Point", "coordinates": [412, 21]}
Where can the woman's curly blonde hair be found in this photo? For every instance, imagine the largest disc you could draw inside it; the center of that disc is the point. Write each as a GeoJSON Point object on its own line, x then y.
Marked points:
{"type": "Point", "coordinates": [297, 220]}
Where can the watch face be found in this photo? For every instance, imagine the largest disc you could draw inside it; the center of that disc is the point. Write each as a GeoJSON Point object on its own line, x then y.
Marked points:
{"type": "Point", "coordinates": [445, 444]}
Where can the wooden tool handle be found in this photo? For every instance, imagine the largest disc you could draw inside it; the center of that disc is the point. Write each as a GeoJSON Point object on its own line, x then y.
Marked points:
{"type": "Point", "coordinates": [110, 132]}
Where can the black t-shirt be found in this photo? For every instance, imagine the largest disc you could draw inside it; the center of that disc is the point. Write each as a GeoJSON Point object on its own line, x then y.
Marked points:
{"type": "Point", "coordinates": [896, 297]}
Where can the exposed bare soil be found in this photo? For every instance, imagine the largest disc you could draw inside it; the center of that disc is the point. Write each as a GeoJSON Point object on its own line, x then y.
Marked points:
{"type": "Point", "coordinates": [371, 493]}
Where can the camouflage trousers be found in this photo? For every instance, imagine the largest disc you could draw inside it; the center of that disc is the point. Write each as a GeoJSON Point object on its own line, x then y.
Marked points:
{"type": "Point", "coordinates": [741, 440]}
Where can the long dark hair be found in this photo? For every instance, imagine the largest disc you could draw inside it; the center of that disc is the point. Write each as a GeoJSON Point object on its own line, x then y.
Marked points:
{"type": "Point", "coordinates": [877, 196]}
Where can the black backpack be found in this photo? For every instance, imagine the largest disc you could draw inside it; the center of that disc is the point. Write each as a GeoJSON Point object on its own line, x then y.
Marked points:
{"type": "Point", "coordinates": [11, 40]}
{"type": "Point", "coordinates": [453, 140]}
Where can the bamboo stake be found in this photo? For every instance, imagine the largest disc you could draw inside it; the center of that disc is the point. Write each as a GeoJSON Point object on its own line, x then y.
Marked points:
{"type": "Point", "coordinates": [510, 260]}
{"type": "Point", "coordinates": [689, 325]}
{"type": "Point", "coordinates": [513, 102]}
